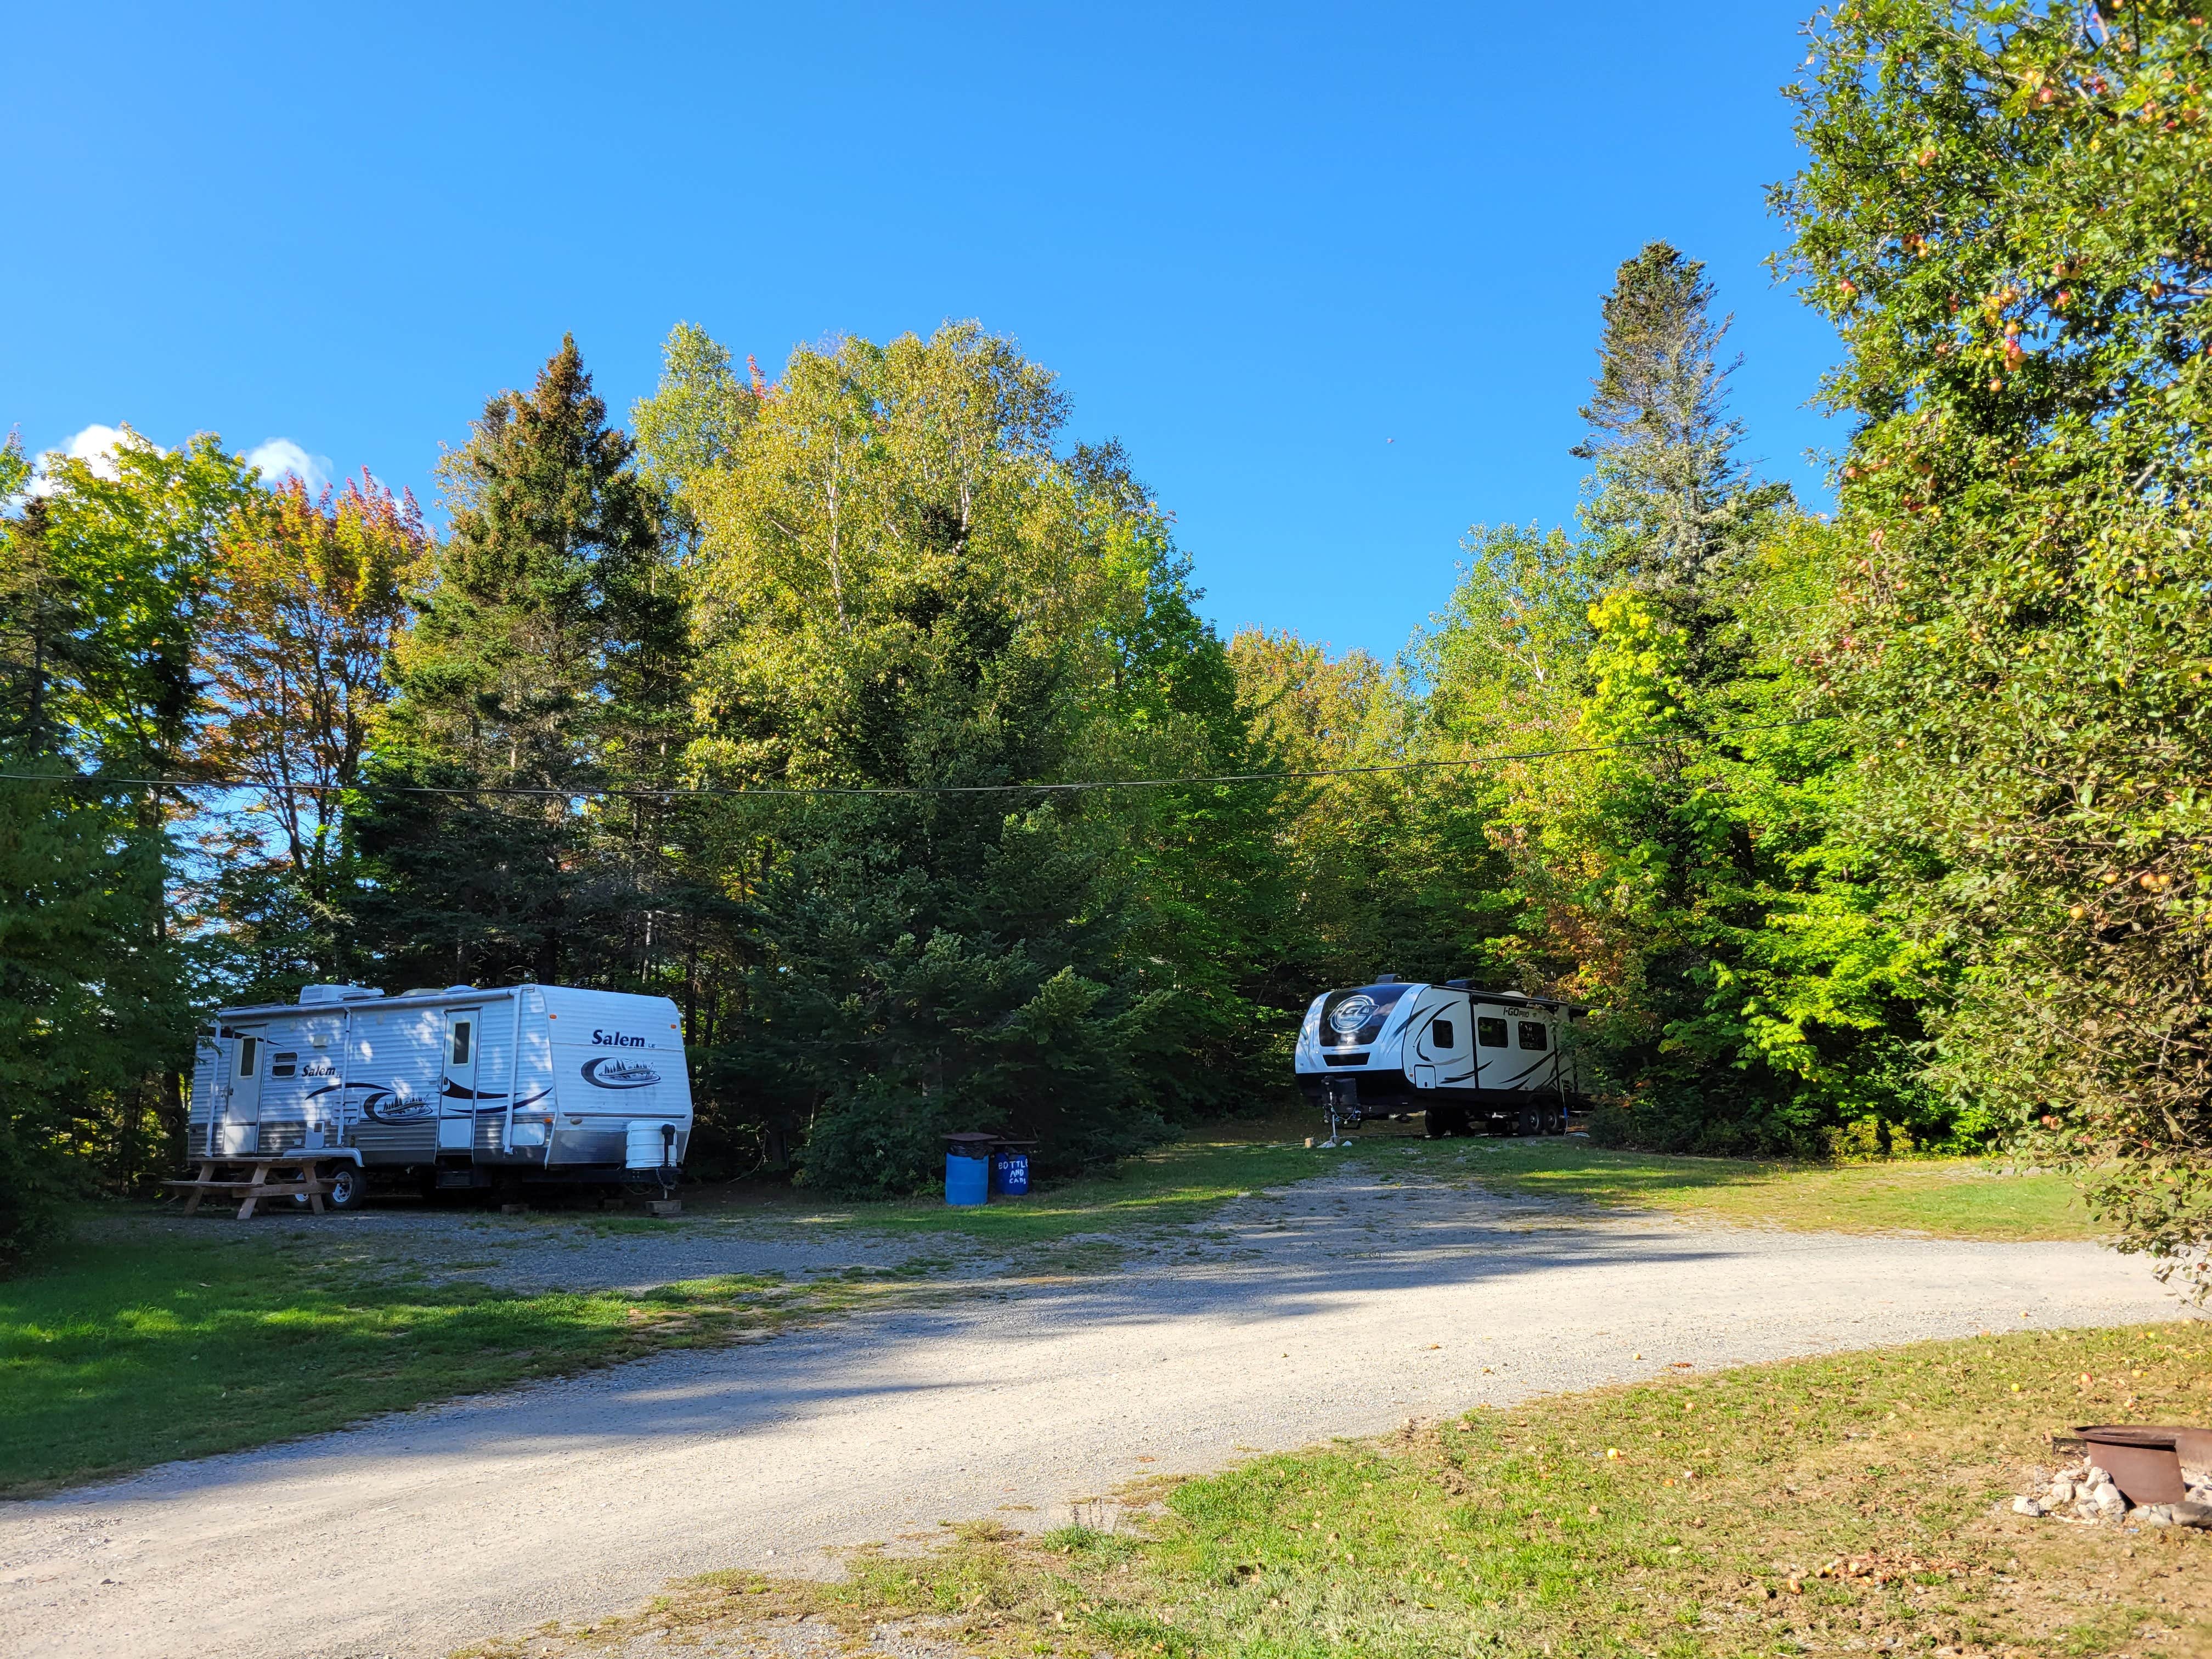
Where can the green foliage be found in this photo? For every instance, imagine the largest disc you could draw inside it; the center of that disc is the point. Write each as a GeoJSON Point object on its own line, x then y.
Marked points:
{"type": "Point", "coordinates": [1503, 662]}
{"type": "Point", "coordinates": [546, 653]}
{"type": "Point", "coordinates": [103, 579]}
{"type": "Point", "coordinates": [308, 598]}
{"type": "Point", "coordinates": [1668, 505]}
{"type": "Point", "coordinates": [105, 590]}
{"type": "Point", "coordinates": [1393, 871]}
{"type": "Point", "coordinates": [901, 583]}
{"type": "Point", "coordinates": [1866, 836]}
{"type": "Point", "coordinates": [2001, 212]}
{"type": "Point", "coordinates": [91, 1004]}
{"type": "Point", "coordinates": [1766, 1004]}
{"type": "Point", "coordinates": [691, 424]}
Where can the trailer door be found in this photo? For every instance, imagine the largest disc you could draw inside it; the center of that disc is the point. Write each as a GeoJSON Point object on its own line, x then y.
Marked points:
{"type": "Point", "coordinates": [456, 1118]}
{"type": "Point", "coordinates": [241, 1109]}
{"type": "Point", "coordinates": [1444, 1046]}
{"type": "Point", "coordinates": [1538, 1057]}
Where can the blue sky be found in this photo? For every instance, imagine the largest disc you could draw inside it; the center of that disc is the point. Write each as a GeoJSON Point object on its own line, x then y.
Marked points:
{"type": "Point", "coordinates": [1330, 272]}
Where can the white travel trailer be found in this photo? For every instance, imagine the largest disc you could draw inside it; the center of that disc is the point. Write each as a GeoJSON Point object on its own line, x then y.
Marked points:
{"type": "Point", "coordinates": [452, 1088]}
{"type": "Point", "coordinates": [1460, 1056]}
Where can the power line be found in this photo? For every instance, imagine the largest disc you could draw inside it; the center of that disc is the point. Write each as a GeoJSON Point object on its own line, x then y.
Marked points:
{"type": "Point", "coordinates": [711, 792]}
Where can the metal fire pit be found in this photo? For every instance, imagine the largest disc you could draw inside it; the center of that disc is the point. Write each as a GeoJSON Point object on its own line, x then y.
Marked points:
{"type": "Point", "coordinates": [2145, 1459]}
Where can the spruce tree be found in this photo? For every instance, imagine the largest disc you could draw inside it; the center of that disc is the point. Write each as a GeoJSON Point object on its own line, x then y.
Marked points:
{"type": "Point", "coordinates": [1669, 505]}
{"type": "Point", "coordinates": [546, 655]}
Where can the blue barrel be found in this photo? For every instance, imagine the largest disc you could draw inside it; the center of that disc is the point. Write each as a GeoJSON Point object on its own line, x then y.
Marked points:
{"type": "Point", "coordinates": [967, 1179]}
{"type": "Point", "coordinates": [1009, 1172]}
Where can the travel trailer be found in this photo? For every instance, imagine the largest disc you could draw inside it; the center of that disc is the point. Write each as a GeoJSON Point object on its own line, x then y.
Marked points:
{"type": "Point", "coordinates": [1463, 1058]}
{"type": "Point", "coordinates": [449, 1089]}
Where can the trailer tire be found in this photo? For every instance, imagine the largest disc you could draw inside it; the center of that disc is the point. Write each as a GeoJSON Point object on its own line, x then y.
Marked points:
{"type": "Point", "coordinates": [349, 1188]}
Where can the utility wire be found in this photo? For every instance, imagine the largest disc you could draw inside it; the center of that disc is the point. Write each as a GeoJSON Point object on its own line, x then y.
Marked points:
{"type": "Point", "coordinates": [711, 792]}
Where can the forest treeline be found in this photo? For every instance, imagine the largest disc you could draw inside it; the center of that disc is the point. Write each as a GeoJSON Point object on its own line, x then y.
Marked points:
{"type": "Point", "coordinates": [1868, 830]}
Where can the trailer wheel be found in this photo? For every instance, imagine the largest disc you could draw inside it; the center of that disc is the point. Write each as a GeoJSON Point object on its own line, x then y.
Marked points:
{"type": "Point", "coordinates": [349, 1188]}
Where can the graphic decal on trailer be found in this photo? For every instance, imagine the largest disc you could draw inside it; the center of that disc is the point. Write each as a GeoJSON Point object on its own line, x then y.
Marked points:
{"type": "Point", "coordinates": [608, 1072]}
{"type": "Point", "coordinates": [382, 1105]}
{"type": "Point", "coordinates": [497, 1097]}
{"type": "Point", "coordinates": [527, 1100]}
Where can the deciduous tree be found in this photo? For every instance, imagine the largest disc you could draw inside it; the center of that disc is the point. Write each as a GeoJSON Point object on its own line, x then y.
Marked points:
{"type": "Point", "coordinates": [2002, 211]}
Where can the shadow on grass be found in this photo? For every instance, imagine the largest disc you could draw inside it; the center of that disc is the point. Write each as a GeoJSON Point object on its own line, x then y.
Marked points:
{"type": "Point", "coordinates": [114, 1356]}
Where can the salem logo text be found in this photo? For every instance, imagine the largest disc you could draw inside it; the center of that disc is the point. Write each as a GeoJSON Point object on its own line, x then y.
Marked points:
{"type": "Point", "coordinates": [608, 1072]}
{"type": "Point", "coordinates": [615, 1039]}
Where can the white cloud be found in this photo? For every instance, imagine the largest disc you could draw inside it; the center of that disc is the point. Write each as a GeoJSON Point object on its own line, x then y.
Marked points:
{"type": "Point", "coordinates": [279, 456]}
{"type": "Point", "coordinates": [95, 446]}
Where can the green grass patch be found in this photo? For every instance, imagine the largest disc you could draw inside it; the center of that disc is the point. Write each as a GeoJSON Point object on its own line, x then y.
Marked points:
{"type": "Point", "coordinates": [1945, 1198]}
{"type": "Point", "coordinates": [1186, 1182]}
{"type": "Point", "coordinates": [125, 1354]}
{"type": "Point", "coordinates": [1852, 1503]}
{"type": "Point", "coordinates": [1172, 1187]}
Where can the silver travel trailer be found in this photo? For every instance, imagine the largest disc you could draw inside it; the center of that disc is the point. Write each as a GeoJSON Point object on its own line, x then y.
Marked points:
{"type": "Point", "coordinates": [453, 1088]}
{"type": "Point", "coordinates": [1464, 1058]}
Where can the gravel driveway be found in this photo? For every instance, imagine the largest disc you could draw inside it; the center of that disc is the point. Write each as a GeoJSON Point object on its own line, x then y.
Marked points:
{"type": "Point", "coordinates": [1341, 1307]}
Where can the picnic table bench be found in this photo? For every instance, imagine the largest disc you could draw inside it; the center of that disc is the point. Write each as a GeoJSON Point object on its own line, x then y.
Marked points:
{"type": "Point", "coordinates": [309, 1182]}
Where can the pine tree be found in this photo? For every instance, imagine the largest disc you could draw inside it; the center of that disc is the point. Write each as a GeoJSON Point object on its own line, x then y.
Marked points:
{"type": "Point", "coordinates": [546, 655]}
{"type": "Point", "coordinates": [1670, 506]}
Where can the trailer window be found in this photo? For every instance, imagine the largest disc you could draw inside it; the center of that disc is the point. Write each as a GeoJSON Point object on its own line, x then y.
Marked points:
{"type": "Point", "coordinates": [1490, 1033]}
{"type": "Point", "coordinates": [283, 1064]}
{"type": "Point", "coordinates": [1445, 1038]}
{"type": "Point", "coordinates": [461, 1042]}
{"type": "Point", "coordinates": [249, 1055]}
{"type": "Point", "coordinates": [1531, 1034]}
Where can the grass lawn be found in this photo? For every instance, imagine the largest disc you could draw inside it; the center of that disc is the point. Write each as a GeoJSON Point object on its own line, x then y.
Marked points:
{"type": "Point", "coordinates": [119, 1351]}
{"type": "Point", "coordinates": [1846, 1503]}
{"type": "Point", "coordinates": [122, 1353]}
{"type": "Point", "coordinates": [1944, 1197]}
{"type": "Point", "coordinates": [1174, 1185]}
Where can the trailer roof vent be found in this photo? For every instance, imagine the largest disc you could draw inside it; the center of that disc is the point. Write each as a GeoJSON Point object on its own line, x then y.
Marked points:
{"type": "Point", "coordinates": [314, 995]}
{"type": "Point", "coordinates": [1386, 979]}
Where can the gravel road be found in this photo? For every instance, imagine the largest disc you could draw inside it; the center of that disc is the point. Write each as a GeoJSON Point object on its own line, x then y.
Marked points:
{"type": "Point", "coordinates": [1341, 1307]}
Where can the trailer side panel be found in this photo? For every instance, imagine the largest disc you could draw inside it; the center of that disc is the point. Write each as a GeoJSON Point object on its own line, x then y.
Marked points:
{"type": "Point", "coordinates": [614, 1059]}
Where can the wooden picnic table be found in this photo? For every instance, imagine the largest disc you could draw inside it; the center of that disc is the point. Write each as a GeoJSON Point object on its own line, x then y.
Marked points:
{"type": "Point", "coordinates": [308, 1183]}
